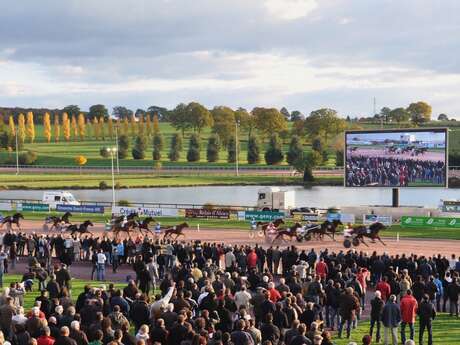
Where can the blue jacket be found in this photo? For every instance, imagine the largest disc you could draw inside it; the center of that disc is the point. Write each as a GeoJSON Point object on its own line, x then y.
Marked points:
{"type": "Point", "coordinates": [438, 284]}
{"type": "Point", "coordinates": [391, 316]}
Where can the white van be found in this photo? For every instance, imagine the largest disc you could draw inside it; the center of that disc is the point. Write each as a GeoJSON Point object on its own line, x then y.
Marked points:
{"type": "Point", "coordinates": [59, 198]}
{"type": "Point", "coordinates": [272, 198]}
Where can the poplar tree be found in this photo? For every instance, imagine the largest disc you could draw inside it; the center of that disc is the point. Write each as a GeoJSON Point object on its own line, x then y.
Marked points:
{"type": "Point", "coordinates": [30, 128]}
{"type": "Point", "coordinates": [74, 127]}
{"type": "Point", "coordinates": [148, 124]}
{"type": "Point", "coordinates": [133, 126]}
{"type": "Point", "coordinates": [21, 128]}
{"type": "Point", "coordinates": [140, 126]}
{"type": "Point", "coordinates": [11, 126]}
{"type": "Point", "coordinates": [125, 126]}
{"type": "Point", "coordinates": [110, 127]}
{"type": "Point", "coordinates": [95, 128]}
{"type": "Point", "coordinates": [47, 127]}
{"type": "Point", "coordinates": [101, 127]}
{"type": "Point", "coordinates": [57, 129]}
{"type": "Point", "coordinates": [176, 147]}
{"type": "Point", "coordinates": [81, 126]}
{"type": "Point", "coordinates": [66, 127]}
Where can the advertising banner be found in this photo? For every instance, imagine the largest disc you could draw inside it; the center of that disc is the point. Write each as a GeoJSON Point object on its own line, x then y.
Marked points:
{"type": "Point", "coordinates": [5, 206]}
{"type": "Point", "coordinates": [312, 217]}
{"type": "Point", "coordinates": [33, 207]}
{"type": "Point", "coordinates": [80, 208]}
{"type": "Point", "coordinates": [266, 216]}
{"type": "Point", "coordinates": [373, 218]}
{"type": "Point", "coordinates": [146, 211]}
{"type": "Point", "coordinates": [206, 213]}
{"type": "Point", "coordinates": [430, 222]}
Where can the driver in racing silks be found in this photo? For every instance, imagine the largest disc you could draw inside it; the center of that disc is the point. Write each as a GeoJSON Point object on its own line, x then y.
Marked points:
{"type": "Point", "coordinates": [348, 231]}
{"type": "Point", "coordinates": [125, 220]}
{"type": "Point", "coordinates": [158, 229]}
{"type": "Point", "coordinates": [253, 224]}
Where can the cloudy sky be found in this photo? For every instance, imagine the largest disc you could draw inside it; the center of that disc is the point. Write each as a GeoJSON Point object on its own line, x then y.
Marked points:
{"type": "Point", "coordinates": [302, 54]}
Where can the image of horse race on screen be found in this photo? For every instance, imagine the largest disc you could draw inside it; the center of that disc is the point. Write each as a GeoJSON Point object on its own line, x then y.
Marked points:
{"type": "Point", "coordinates": [402, 158]}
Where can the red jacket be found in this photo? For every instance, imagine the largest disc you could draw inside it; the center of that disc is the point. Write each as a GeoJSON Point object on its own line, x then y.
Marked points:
{"type": "Point", "coordinates": [252, 259]}
{"type": "Point", "coordinates": [44, 340]}
{"type": "Point", "coordinates": [408, 307]}
{"type": "Point", "coordinates": [321, 269]}
{"type": "Point", "coordinates": [384, 288]}
{"type": "Point", "coordinates": [274, 295]}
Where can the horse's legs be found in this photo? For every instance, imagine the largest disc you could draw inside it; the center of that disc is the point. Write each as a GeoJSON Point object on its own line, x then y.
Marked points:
{"type": "Point", "coordinates": [378, 237]}
{"type": "Point", "coordinates": [362, 241]}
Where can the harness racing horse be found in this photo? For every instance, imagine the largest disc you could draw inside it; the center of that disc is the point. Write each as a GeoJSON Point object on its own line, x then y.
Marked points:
{"type": "Point", "coordinates": [289, 232]}
{"type": "Point", "coordinates": [14, 219]}
{"type": "Point", "coordinates": [144, 225]}
{"type": "Point", "coordinates": [265, 225]}
{"type": "Point", "coordinates": [325, 228]}
{"type": "Point", "coordinates": [372, 232]}
{"type": "Point", "coordinates": [57, 221]}
{"type": "Point", "coordinates": [120, 219]}
{"type": "Point", "coordinates": [175, 230]}
{"type": "Point", "coordinates": [128, 227]}
{"type": "Point", "coordinates": [81, 229]}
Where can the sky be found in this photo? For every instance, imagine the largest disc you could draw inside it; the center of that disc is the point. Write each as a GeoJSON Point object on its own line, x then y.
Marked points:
{"type": "Point", "coordinates": [301, 54]}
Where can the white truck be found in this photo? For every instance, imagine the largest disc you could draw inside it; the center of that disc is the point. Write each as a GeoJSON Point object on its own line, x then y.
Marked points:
{"type": "Point", "coordinates": [273, 198]}
{"type": "Point", "coordinates": [54, 198]}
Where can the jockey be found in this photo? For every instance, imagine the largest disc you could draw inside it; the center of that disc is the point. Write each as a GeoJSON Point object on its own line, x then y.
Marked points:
{"type": "Point", "coordinates": [253, 224]}
{"type": "Point", "coordinates": [125, 220]}
{"type": "Point", "coordinates": [158, 228]}
{"type": "Point", "coordinates": [348, 231]}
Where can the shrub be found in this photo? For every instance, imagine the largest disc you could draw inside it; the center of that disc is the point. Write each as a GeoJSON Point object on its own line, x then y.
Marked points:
{"type": "Point", "coordinates": [253, 150]}
{"type": "Point", "coordinates": [123, 146]}
{"type": "Point", "coordinates": [176, 148]}
{"type": "Point", "coordinates": [104, 152]}
{"type": "Point", "coordinates": [157, 146]}
{"type": "Point", "coordinates": [339, 158]}
{"type": "Point", "coordinates": [212, 151]}
{"type": "Point", "coordinates": [123, 202]}
{"type": "Point", "coordinates": [103, 185]}
{"type": "Point", "coordinates": [193, 154]}
{"type": "Point", "coordinates": [274, 155]}
{"type": "Point", "coordinates": [317, 144]}
{"type": "Point", "coordinates": [231, 149]}
{"type": "Point", "coordinates": [27, 158]}
{"type": "Point", "coordinates": [140, 144]}
{"type": "Point", "coordinates": [295, 150]}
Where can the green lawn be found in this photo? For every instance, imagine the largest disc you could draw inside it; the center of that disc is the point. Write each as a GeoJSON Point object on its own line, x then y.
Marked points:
{"type": "Point", "coordinates": [446, 331]}
{"type": "Point", "coordinates": [63, 153]}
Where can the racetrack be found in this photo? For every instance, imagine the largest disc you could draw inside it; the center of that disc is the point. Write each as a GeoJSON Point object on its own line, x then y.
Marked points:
{"type": "Point", "coordinates": [427, 156]}
{"type": "Point", "coordinates": [406, 246]}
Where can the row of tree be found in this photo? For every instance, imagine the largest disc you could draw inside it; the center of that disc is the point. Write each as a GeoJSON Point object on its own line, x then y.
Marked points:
{"type": "Point", "coordinates": [76, 127]}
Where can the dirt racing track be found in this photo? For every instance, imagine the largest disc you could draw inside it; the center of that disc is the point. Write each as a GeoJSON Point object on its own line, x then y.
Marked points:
{"type": "Point", "coordinates": [427, 156]}
{"type": "Point", "coordinates": [406, 246]}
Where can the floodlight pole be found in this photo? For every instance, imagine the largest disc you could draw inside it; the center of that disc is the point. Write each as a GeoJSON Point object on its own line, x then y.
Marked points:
{"type": "Point", "coordinates": [395, 197]}
{"type": "Point", "coordinates": [236, 147]}
{"type": "Point", "coordinates": [17, 153]}
{"type": "Point", "coordinates": [116, 142]}
{"type": "Point", "coordinates": [112, 152]}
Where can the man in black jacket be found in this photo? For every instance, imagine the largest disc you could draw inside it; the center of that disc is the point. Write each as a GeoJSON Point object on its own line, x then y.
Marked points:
{"type": "Point", "coordinates": [453, 289]}
{"type": "Point", "coordinates": [376, 314]}
{"type": "Point", "coordinates": [427, 314]}
{"type": "Point", "coordinates": [270, 331]}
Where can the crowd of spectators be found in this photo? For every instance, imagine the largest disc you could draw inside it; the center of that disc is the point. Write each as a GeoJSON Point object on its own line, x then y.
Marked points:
{"type": "Point", "coordinates": [206, 293]}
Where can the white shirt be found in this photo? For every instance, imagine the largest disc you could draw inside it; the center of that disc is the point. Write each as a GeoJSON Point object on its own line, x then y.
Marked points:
{"type": "Point", "coordinates": [242, 298]}
{"type": "Point", "coordinates": [101, 259]}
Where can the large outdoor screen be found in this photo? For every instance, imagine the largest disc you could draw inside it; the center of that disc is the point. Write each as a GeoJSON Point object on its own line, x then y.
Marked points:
{"type": "Point", "coordinates": [396, 158]}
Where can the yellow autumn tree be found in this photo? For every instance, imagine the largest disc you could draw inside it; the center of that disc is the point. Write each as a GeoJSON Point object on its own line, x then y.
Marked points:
{"type": "Point", "coordinates": [125, 129]}
{"type": "Point", "coordinates": [148, 124]}
{"type": "Point", "coordinates": [21, 128]}
{"type": "Point", "coordinates": [133, 126]}
{"type": "Point", "coordinates": [74, 127]}
{"type": "Point", "coordinates": [140, 126]}
{"type": "Point", "coordinates": [11, 126]}
{"type": "Point", "coordinates": [30, 127]}
{"type": "Point", "coordinates": [57, 128]}
{"type": "Point", "coordinates": [66, 126]}
{"type": "Point", "coordinates": [81, 126]}
{"type": "Point", "coordinates": [80, 161]}
{"type": "Point", "coordinates": [156, 124]}
{"type": "Point", "coordinates": [95, 128]}
{"type": "Point", "coordinates": [2, 123]}
{"type": "Point", "coordinates": [101, 127]}
{"type": "Point", "coordinates": [110, 127]}
{"type": "Point", "coordinates": [47, 127]}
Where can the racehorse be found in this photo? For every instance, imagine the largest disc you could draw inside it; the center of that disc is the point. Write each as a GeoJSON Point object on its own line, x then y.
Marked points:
{"type": "Point", "coordinates": [128, 227]}
{"type": "Point", "coordinates": [14, 219]}
{"type": "Point", "coordinates": [325, 228]}
{"type": "Point", "coordinates": [372, 232]}
{"type": "Point", "coordinates": [119, 219]}
{"type": "Point", "coordinates": [81, 229]}
{"type": "Point", "coordinates": [175, 230]}
{"type": "Point", "coordinates": [265, 225]}
{"type": "Point", "coordinates": [144, 224]}
{"type": "Point", "coordinates": [289, 232]}
{"type": "Point", "coordinates": [57, 221]}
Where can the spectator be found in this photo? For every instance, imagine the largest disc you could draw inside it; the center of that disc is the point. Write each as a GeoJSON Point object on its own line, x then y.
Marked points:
{"type": "Point", "coordinates": [391, 317]}
{"type": "Point", "coordinates": [408, 307]}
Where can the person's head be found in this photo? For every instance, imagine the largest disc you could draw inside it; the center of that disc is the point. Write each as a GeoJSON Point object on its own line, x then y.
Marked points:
{"type": "Point", "coordinates": [118, 334]}
{"type": "Point", "coordinates": [46, 331]}
{"type": "Point", "coordinates": [392, 299]}
{"type": "Point", "coordinates": [32, 341]}
{"type": "Point", "coordinates": [409, 292]}
{"type": "Point", "coordinates": [302, 329]}
{"type": "Point", "coordinates": [317, 339]}
{"type": "Point", "coordinates": [52, 320]}
{"type": "Point", "coordinates": [144, 329]}
{"type": "Point", "coordinates": [75, 325]}
{"type": "Point", "coordinates": [409, 342]}
{"type": "Point", "coordinates": [378, 294]}
{"type": "Point", "coordinates": [367, 340]}
{"type": "Point", "coordinates": [65, 331]}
